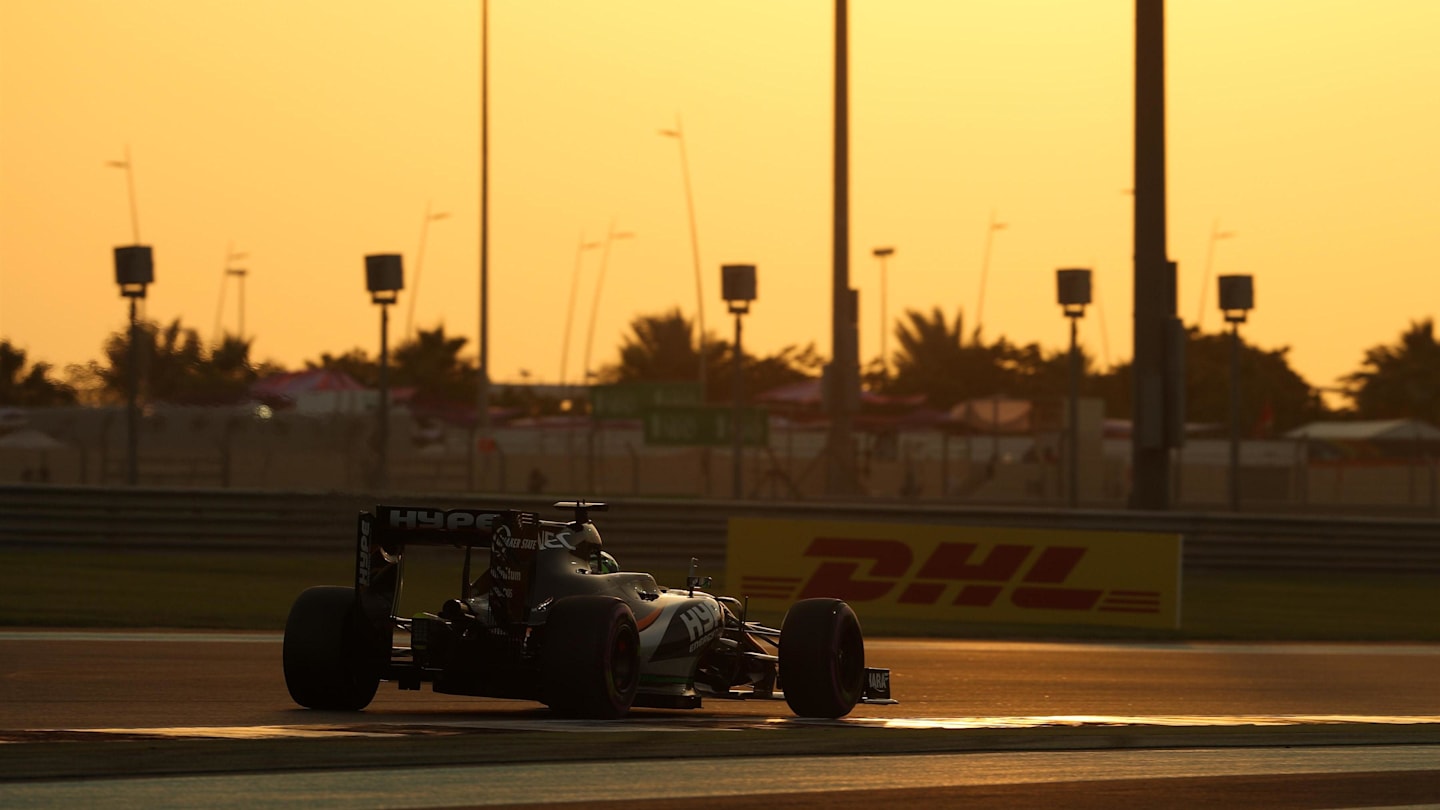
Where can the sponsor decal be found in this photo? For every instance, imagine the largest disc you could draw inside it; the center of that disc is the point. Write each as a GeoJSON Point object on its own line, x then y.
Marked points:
{"type": "Point", "coordinates": [513, 545]}
{"type": "Point", "coordinates": [700, 624]}
{"type": "Point", "coordinates": [443, 520]}
{"type": "Point", "coordinates": [509, 539]}
{"type": "Point", "coordinates": [964, 573]}
{"type": "Point", "coordinates": [554, 540]}
{"type": "Point", "coordinates": [362, 566]}
{"type": "Point", "coordinates": [878, 680]}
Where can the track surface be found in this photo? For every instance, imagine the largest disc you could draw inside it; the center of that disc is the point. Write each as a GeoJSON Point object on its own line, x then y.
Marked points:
{"type": "Point", "coordinates": [133, 680]}
{"type": "Point", "coordinates": [165, 699]}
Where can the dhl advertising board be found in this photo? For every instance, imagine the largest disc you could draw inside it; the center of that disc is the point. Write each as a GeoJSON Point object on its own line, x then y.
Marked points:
{"type": "Point", "coordinates": [964, 573]}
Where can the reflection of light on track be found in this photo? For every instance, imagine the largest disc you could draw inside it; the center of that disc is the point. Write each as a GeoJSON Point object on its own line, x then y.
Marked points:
{"type": "Point", "coordinates": [1088, 647]}
{"type": "Point", "coordinates": [458, 727]}
{"type": "Point", "coordinates": [1076, 721]}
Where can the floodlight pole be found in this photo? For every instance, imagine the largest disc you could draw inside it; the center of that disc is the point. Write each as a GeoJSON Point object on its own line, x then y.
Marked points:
{"type": "Point", "coordinates": [883, 253]}
{"type": "Point", "coordinates": [738, 288]}
{"type": "Point", "coordinates": [737, 428]}
{"type": "Point", "coordinates": [384, 278]}
{"type": "Point", "coordinates": [383, 443]}
{"type": "Point", "coordinates": [1237, 298]}
{"type": "Point", "coordinates": [1073, 287]}
{"type": "Point", "coordinates": [1234, 477]}
{"type": "Point", "coordinates": [132, 404]}
{"type": "Point", "coordinates": [239, 273]}
{"type": "Point", "coordinates": [134, 272]}
{"type": "Point", "coordinates": [1074, 454]}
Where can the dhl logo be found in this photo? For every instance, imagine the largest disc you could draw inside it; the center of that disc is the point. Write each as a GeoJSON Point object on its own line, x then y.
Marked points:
{"type": "Point", "coordinates": [959, 574]}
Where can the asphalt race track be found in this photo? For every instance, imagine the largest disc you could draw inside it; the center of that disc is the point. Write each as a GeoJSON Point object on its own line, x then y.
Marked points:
{"type": "Point", "coordinates": [187, 719]}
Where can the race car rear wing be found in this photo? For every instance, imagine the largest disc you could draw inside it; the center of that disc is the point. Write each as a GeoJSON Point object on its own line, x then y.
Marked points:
{"type": "Point", "coordinates": [395, 527]}
{"type": "Point", "coordinates": [511, 536]}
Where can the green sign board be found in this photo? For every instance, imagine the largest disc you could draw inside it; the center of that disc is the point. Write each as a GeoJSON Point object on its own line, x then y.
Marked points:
{"type": "Point", "coordinates": [702, 425]}
{"type": "Point", "coordinates": [633, 400]}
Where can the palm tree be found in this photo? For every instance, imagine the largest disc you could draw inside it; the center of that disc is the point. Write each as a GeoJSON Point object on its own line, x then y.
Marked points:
{"type": "Point", "coordinates": [175, 366]}
{"type": "Point", "coordinates": [935, 360]}
{"type": "Point", "coordinates": [1401, 380]}
{"type": "Point", "coordinates": [29, 388]}
{"type": "Point", "coordinates": [659, 348]}
{"type": "Point", "coordinates": [431, 363]}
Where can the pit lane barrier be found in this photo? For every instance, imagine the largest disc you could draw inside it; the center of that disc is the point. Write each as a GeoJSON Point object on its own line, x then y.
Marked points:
{"type": "Point", "coordinates": [665, 533]}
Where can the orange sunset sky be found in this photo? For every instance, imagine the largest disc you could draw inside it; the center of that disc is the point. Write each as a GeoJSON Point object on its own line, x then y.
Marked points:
{"type": "Point", "coordinates": [311, 132]}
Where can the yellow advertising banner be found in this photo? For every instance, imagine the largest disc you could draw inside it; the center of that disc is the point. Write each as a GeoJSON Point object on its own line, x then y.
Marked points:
{"type": "Point", "coordinates": [964, 573]}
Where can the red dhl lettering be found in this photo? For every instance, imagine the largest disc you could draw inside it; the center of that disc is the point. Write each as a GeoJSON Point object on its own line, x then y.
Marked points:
{"type": "Point", "coordinates": [865, 570]}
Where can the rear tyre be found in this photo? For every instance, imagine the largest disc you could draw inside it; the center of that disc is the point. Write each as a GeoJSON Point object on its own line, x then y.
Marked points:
{"type": "Point", "coordinates": [822, 658]}
{"type": "Point", "coordinates": [590, 664]}
{"type": "Point", "coordinates": [326, 666]}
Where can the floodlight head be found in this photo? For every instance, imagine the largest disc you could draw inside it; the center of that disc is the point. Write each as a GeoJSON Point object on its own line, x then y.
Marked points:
{"type": "Point", "coordinates": [384, 277]}
{"type": "Point", "coordinates": [134, 269]}
{"type": "Point", "coordinates": [1072, 286]}
{"type": "Point", "coordinates": [737, 286]}
{"type": "Point", "coordinates": [1237, 297]}
{"type": "Point", "coordinates": [882, 252]}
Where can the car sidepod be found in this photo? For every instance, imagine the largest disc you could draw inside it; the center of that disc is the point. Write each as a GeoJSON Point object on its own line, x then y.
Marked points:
{"type": "Point", "coordinates": [675, 632]}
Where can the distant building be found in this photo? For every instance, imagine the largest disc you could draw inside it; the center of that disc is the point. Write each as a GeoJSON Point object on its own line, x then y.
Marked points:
{"type": "Point", "coordinates": [316, 391]}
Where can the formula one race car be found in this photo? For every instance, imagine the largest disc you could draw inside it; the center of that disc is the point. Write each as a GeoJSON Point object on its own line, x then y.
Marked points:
{"type": "Point", "coordinates": [553, 619]}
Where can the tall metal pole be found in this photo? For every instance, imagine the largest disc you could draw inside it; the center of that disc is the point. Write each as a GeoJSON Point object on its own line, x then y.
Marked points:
{"type": "Point", "coordinates": [1215, 236]}
{"type": "Point", "coordinates": [884, 316]}
{"type": "Point", "coordinates": [129, 168]}
{"type": "Point", "coordinates": [610, 237]}
{"type": "Point", "coordinates": [1073, 457]}
{"type": "Point", "coordinates": [482, 398]}
{"type": "Point", "coordinates": [225, 273]}
{"type": "Point", "coordinates": [419, 266]}
{"type": "Point", "coordinates": [132, 412]}
{"type": "Point", "coordinates": [1234, 478]}
{"type": "Point", "coordinates": [883, 254]}
{"type": "Point", "coordinates": [1154, 275]}
{"type": "Point", "coordinates": [679, 135]}
{"type": "Point", "coordinates": [737, 446]}
{"type": "Point", "coordinates": [844, 373]}
{"type": "Point", "coordinates": [570, 308]}
{"type": "Point", "coordinates": [240, 273]}
{"type": "Point", "coordinates": [382, 443]}
{"type": "Point", "coordinates": [985, 273]}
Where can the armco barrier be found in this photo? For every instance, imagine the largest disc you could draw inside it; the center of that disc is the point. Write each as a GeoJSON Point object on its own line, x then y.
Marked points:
{"type": "Point", "coordinates": [656, 533]}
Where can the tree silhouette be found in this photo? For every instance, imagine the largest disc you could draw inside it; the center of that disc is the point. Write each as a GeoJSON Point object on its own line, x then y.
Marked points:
{"type": "Point", "coordinates": [934, 359]}
{"type": "Point", "coordinates": [355, 363]}
{"type": "Point", "coordinates": [175, 366]}
{"type": "Point", "coordinates": [1273, 397]}
{"type": "Point", "coordinates": [431, 363]}
{"type": "Point", "coordinates": [1399, 381]}
{"type": "Point", "coordinates": [658, 348]}
{"type": "Point", "coordinates": [30, 388]}
{"type": "Point", "coordinates": [661, 348]}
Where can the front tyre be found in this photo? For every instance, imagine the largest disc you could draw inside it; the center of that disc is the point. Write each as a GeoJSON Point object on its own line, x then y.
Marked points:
{"type": "Point", "coordinates": [590, 662]}
{"type": "Point", "coordinates": [822, 658]}
{"type": "Point", "coordinates": [325, 661]}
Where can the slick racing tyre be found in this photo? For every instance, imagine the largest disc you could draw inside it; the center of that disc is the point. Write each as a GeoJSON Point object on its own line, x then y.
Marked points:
{"type": "Point", "coordinates": [590, 661]}
{"type": "Point", "coordinates": [822, 658]}
{"type": "Point", "coordinates": [325, 662]}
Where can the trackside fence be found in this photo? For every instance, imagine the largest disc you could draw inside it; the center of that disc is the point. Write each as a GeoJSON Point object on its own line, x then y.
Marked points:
{"type": "Point", "coordinates": [665, 534]}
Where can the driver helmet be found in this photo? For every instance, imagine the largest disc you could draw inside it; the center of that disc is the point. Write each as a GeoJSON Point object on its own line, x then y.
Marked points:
{"type": "Point", "coordinates": [606, 563]}
{"type": "Point", "coordinates": [586, 545]}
